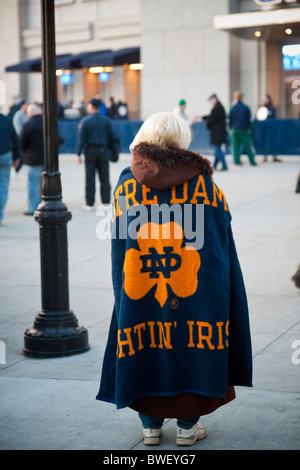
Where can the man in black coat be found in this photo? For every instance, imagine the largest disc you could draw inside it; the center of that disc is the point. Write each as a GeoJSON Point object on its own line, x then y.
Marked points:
{"type": "Point", "coordinates": [216, 124]}
{"type": "Point", "coordinates": [31, 140]}
{"type": "Point", "coordinates": [96, 139]}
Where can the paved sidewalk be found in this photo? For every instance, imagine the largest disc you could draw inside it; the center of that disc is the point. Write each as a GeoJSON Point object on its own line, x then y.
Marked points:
{"type": "Point", "coordinates": [50, 403]}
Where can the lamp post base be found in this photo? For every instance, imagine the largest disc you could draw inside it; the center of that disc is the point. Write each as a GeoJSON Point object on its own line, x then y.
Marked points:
{"type": "Point", "coordinates": [53, 337]}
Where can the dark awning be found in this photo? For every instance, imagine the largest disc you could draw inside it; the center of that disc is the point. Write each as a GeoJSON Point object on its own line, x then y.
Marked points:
{"type": "Point", "coordinates": [129, 55]}
{"type": "Point", "coordinates": [120, 57]}
{"type": "Point", "coordinates": [76, 61]}
{"type": "Point", "coordinates": [32, 65]}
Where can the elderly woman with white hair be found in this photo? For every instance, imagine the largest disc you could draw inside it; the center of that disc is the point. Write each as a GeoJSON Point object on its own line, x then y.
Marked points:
{"type": "Point", "coordinates": [179, 338]}
{"type": "Point", "coordinates": [31, 141]}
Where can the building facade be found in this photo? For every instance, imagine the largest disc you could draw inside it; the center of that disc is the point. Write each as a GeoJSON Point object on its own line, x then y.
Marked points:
{"type": "Point", "coordinates": [189, 49]}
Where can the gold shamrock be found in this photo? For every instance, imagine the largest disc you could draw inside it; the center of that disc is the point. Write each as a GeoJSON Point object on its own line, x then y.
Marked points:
{"type": "Point", "coordinates": [161, 260]}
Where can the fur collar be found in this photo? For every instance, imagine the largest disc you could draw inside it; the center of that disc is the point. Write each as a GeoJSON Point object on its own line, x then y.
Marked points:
{"type": "Point", "coordinates": [172, 157]}
{"type": "Point", "coordinates": [163, 168]}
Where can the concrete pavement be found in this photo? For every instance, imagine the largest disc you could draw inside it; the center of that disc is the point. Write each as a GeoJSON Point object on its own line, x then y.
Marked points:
{"type": "Point", "coordinates": [50, 403]}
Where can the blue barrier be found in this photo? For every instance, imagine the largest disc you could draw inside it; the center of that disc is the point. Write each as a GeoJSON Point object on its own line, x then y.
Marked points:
{"type": "Point", "coordinates": [270, 137]}
{"type": "Point", "coordinates": [125, 129]}
{"type": "Point", "coordinates": [277, 137]}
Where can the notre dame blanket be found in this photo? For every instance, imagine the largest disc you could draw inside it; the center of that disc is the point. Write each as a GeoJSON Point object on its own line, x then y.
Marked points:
{"type": "Point", "coordinates": [180, 320]}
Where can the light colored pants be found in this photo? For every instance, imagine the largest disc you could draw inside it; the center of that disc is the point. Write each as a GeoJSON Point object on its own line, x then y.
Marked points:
{"type": "Point", "coordinates": [33, 186]}
{"type": "Point", "coordinates": [5, 166]}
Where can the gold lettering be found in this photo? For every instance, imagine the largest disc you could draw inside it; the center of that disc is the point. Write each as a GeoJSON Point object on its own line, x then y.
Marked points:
{"type": "Point", "coordinates": [164, 338]}
{"type": "Point", "coordinates": [219, 325]}
{"type": "Point", "coordinates": [151, 326]}
{"type": "Point", "coordinates": [191, 343]}
{"type": "Point", "coordinates": [113, 212]}
{"type": "Point", "coordinates": [227, 332]}
{"type": "Point", "coordinates": [202, 337]}
{"type": "Point", "coordinates": [118, 191]}
{"type": "Point", "coordinates": [127, 342]}
{"type": "Point", "coordinates": [138, 328]}
{"type": "Point", "coordinates": [179, 200]}
{"type": "Point", "coordinates": [130, 195]}
{"type": "Point", "coordinates": [145, 201]}
{"type": "Point", "coordinates": [197, 194]}
{"type": "Point", "coordinates": [218, 193]}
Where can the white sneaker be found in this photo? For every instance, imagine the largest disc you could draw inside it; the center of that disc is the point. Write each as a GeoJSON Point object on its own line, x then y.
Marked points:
{"type": "Point", "coordinates": [152, 436]}
{"type": "Point", "coordinates": [188, 437]}
{"type": "Point", "coordinates": [88, 208]}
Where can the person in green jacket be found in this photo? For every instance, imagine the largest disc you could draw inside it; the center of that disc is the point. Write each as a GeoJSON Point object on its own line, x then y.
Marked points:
{"type": "Point", "coordinates": [240, 125]}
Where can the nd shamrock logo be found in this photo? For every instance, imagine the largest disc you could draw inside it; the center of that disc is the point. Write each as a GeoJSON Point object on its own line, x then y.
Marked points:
{"type": "Point", "coordinates": [161, 260]}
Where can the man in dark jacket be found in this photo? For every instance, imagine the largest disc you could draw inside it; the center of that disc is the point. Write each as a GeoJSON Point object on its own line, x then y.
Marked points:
{"type": "Point", "coordinates": [96, 139]}
{"type": "Point", "coordinates": [216, 124]}
{"type": "Point", "coordinates": [32, 146]}
{"type": "Point", "coordinates": [240, 125]}
{"type": "Point", "coordinates": [9, 156]}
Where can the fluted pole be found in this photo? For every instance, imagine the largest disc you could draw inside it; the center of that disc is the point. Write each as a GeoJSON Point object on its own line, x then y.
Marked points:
{"type": "Point", "coordinates": [55, 331]}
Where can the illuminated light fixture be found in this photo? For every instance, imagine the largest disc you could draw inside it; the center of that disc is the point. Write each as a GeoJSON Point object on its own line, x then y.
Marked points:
{"type": "Point", "coordinates": [288, 31]}
{"type": "Point", "coordinates": [257, 34]}
{"type": "Point", "coordinates": [291, 57]}
{"type": "Point", "coordinates": [59, 73]}
{"type": "Point", "coordinates": [101, 69]}
{"type": "Point", "coordinates": [136, 66]}
{"type": "Point", "coordinates": [104, 77]}
{"type": "Point", "coordinates": [96, 69]}
{"type": "Point", "coordinates": [66, 78]}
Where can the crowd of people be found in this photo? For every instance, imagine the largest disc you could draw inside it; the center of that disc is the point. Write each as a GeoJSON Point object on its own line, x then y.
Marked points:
{"type": "Point", "coordinates": [22, 145]}
{"type": "Point", "coordinates": [21, 140]}
{"type": "Point", "coordinates": [113, 110]}
{"type": "Point", "coordinates": [234, 127]}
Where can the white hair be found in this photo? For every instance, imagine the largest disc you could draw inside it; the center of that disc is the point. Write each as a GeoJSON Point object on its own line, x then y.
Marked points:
{"type": "Point", "coordinates": [33, 110]}
{"type": "Point", "coordinates": [164, 129]}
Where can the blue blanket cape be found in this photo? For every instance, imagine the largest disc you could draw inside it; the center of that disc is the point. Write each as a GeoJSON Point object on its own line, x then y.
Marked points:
{"type": "Point", "coordinates": [180, 321]}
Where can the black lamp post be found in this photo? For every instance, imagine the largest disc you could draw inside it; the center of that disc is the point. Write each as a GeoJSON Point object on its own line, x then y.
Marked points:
{"type": "Point", "coordinates": [55, 331]}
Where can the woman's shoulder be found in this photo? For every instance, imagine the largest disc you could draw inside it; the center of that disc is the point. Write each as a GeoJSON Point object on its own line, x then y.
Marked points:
{"type": "Point", "coordinates": [125, 174]}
